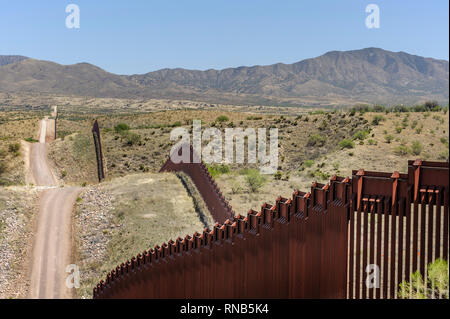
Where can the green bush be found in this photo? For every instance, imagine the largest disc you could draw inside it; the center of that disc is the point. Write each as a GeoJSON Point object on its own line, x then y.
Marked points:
{"type": "Point", "coordinates": [388, 138]}
{"type": "Point", "coordinates": [360, 135]}
{"type": "Point", "coordinates": [132, 138]}
{"type": "Point", "coordinates": [435, 287]}
{"type": "Point", "coordinates": [236, 187]}
{"type": "Point", "coordinates": [121, 127]}
{"type": "Point", "coordinates": [316, 140]}
{"type": "Point", "coordinates": [377, 119]}
{"type": "Point", "coordinates": [416, 147]}
{"type": "Point", "coordinates": [320, 174]}
{"type": "Point", "coordinates": [432, 106]}
{"type": "Point", "coordinates": [444, 155]}
{"type": "Point", "coordinates": [218, 169]}
{"type": "Point", "coordinates": [30, 140]}
{"type": "Point", "coordinates": [345, 143]}
{"type": "Point", "coordinates": [255, 180]}
{"type": "Point", "coordinates": [222, 118]}
{"type": "Point", "coordinates": [308, 163]}
{"type": "Point", "coordinates": [254, 118]}
{"type": "Point", "coordinates": [401, 150]}
{"type": "Point", "coordinates": [14, 147]}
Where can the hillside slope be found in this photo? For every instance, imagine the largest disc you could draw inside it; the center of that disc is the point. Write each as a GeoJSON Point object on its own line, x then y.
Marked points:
{"type": "Point", "coordinates": [339, 77]}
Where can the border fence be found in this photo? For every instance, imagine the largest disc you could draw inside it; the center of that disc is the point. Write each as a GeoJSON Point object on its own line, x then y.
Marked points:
{"type": "Point", "coordinates": [218, 206]}
{"type": "Point", "coordinates": [98, 151]}
{"type": "Point", "coordinates": [313, 245]}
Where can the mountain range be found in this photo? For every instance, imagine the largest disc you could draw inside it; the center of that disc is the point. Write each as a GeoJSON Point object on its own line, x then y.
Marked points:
{"type": "Point", "coordinates": [369, 75]}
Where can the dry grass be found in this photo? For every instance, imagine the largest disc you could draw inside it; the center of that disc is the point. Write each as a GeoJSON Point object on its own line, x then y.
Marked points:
{"type": "Point", "coordinates": [15, 126]}
{"type": "Point", "coordinates": [304, 138]}
{"type": "Point", "coordinates": [17, 205]}
{"type": "Point", "coordinates": [154, 131]}
{"type": "Point", "coordinates": [147, 210]}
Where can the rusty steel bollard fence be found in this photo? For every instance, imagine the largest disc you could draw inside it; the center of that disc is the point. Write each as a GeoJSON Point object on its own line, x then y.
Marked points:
{"type": "Point", "coordinates": [313, 245]}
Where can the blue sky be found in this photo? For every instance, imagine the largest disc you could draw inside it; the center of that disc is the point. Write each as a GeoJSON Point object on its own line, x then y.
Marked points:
{"type": "Point", "coordinates": [139, 36]}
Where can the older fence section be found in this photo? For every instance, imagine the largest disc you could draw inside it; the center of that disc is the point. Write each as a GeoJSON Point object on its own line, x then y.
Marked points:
{"type": "Point", "coordinates": [98, 151]}
{"type": "Point", "coordinates": [218, 206]}
{"type": "Point", "coordinates": [332, 242]}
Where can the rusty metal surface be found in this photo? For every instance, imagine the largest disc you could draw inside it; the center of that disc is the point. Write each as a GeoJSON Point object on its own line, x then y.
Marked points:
{"type": "Point", "coordinates": [98, 151]}
{"type": "Point", "coordinates": [313, 245]}
{"type": "Point", "coordinates": [217, 204]}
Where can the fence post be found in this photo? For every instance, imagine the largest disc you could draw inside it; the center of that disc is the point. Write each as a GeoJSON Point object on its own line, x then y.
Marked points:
{"type": "Point", "coordinates": [98, 151]}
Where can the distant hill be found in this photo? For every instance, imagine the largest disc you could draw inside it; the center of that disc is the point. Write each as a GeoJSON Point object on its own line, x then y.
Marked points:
{"type": "Point", "coordinates": [368, 75]}
{"type": "Point", "coordinates": [8, 59]}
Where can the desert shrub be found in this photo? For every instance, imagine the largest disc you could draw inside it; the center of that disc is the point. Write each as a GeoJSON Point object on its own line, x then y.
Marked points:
{"type": "Point", "coordinates": [236, 187]}
{"type": "Point", "coordinates": [444, 155]}
{"type": "Point", "coordinates": [319, 174]}
{"type": "Point", "coordinates": [414, 124]}
{"type": "Point", "coordinates": [416, 147]}
{"type": "Point", "coordinates": [255, 118]}
{"type": "Point", "coordinates": [371, 142]}
{"type": "Point", "coordinates": [361, 135]}
{"type": "Point", "coordinates": [13, 147]}
{"type": "Point", "coordinates": [361, 108]}
{"type": "Point", "coordinates": [308, 163]}
{"type": "Point", "coordinates": [255, 180]}
{"type": "Point", "coordinates": [30, 140]}
{"type": "Point", "coordinates": [388, 138]}
{"type": "Point", "coordinates": [398, 129]}
{"type": "Point", "coordinates": [419, 129]}
{"type": "Point", "coordinates": [444, 141]}
{"type": "Point", "coordinates": [3, 167]}
{"type": "Point", "coordinates": [377, 119]}
{"type": "Point", "coordinates": [222, 118]}
{"type": "Point", "coordinates": [121, 127]}
{"type": "Point", "coordinates": [401, 150]}
{"type": "Point", "coordinates": [400, 109]}
{"type": "Point", "coordinates": [435, 287]}
{"type": "Point", "coordinates": [405, 122]}
{"type": "Point", "coordinates": [132, 138]}
{"type": "Point", "coordinates": [278, 175]}
{"type": "Point", "coordinates": [176, 124]}
{"type": "Point", "coordinates": [218, 169]}
{"type": "Point", "coordinates": [323, 126]}
{"type": "Point", "coordinates": [316, 140]}
{"type": "Point", "coordinates": [345, 143]}
{"type": "Point", "coordinates": [379, 109]}
{"type": "Point", "coordinates": [432, 106]}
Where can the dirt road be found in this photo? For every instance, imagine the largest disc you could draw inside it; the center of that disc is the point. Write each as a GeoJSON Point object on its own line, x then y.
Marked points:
{"type": "Point", "coordinates": [53, 238]}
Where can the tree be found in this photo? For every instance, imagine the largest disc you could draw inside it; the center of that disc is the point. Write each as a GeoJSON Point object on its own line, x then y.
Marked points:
{"type": "Point", "coordinates": [436, 286]}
